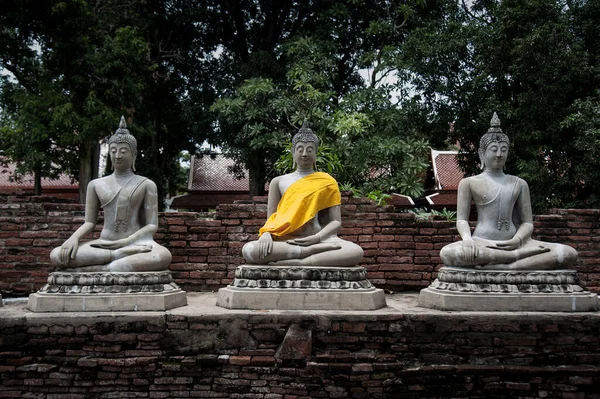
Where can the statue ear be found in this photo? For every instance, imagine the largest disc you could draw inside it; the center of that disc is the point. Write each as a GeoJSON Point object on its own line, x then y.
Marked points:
{"type": "Point", "coordinates": [133, 165]}
{"type": "Point", "coordinates": [481, 160]}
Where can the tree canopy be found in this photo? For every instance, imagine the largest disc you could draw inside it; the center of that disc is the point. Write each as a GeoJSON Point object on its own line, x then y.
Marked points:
{"type": "Point", "coordinates": [535, 62]}
{"type": "Point", "coordinates": [379, 81]}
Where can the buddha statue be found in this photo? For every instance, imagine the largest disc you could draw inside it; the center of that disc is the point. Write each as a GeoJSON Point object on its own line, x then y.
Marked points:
{"type": "Point", "coordinates": [304, 216]}
{"type": "Point", "coordinates": [130, 205]}
{"type": "Point", "coordinates": [502, 236]}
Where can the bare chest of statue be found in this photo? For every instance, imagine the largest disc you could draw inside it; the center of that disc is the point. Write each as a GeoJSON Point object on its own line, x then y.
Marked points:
{"type": "Point", "coordinates": [485, 190]}
{"type": "Point", "coordinates": [109, 188]}
{"type": "Point", "coordinates": [495, 199]}
{"type": "Point", "coordinates": [121, 199]}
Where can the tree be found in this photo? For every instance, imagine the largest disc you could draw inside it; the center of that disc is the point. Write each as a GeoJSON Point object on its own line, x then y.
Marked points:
{"type": "Point", "coordinates": [364, 140]}
{"type": "Point", "coordinates": [77, 66]}
{"type": "Point", "coordinates": [321, 45]}
{"type": "Point", "coordinates": [533, 62]}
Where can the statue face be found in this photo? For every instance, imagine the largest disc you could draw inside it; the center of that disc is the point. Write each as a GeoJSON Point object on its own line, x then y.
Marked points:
{"type": "Point", "coordinates": [121, 156]}
{"type": "Point", "coordinates": [305, 154]}
{"type": "Point", "coordinates": [495, 155]}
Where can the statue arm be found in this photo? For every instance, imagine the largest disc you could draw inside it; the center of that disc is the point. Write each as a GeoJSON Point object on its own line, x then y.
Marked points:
{"type": "Point", "coordinates": [150, 213]}
{"type": "Point", "coordinates": [463, 210]}
{"type": "Point", "coordinates": [265, 241]}
{"type": "Point", "coordinates": [334, 223]}
{"type": "Point", "coordinates": [69, 248]}
{"type": "Point", "coordinates": [274, 197]}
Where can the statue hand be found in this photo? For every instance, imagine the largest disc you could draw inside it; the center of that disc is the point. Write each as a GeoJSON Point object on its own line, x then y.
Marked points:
{"type": "Point", "coordinates": [108, 244]}
{"type": "Point", "coordinates": [470, 249]}
{"type": "Point", "coordinates": [68, 250]}
{"type": "Point", "coordinates": [507, 245]}
{"type": "Point", "coordinates": [265, 245]}
{"type": "Point", "coordinates": [305, 241]}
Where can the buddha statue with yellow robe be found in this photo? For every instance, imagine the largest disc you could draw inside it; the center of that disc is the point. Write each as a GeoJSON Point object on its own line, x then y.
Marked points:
{"type": "Point", "coordinates": [304, 216]}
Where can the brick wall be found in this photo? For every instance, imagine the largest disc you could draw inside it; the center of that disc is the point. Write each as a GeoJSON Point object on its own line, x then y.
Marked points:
{"type": "Point", "coordinates": [401, 253]}
{"type": "Point", "coordinates": [246, 355]}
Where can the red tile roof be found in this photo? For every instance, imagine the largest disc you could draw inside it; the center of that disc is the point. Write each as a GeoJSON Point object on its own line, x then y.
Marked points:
{"type": "Point", "coordinates": [210, 173]}
{"type": "Point", "coordinates": [27, 180]}
{"type": "Point", "coordinates": [446, 171]}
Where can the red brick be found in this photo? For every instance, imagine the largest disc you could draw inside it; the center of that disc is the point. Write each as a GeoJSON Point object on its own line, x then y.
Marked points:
{"type": "Point", "coordinates": [262, 361]}
{"type": "Point", "coordinates": [241, 360]}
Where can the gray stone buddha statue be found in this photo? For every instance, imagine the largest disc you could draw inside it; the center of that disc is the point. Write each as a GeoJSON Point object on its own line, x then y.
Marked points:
{"type": "Point", "coordinates": [502, 235]}
{"type": "Point", "coordinates": [130, 205]}
{"type": "Point", "coordinates": [304, 216]}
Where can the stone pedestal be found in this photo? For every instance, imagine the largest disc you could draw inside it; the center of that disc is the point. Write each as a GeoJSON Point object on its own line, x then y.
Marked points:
{"type": "Point", "coordinates": [301, 288]}
{"type": "Point", "coordinates": [108, 292]}
{"type": "Point", "coordinates": [501, 290]}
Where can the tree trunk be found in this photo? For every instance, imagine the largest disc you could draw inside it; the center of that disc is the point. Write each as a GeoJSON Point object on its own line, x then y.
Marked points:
{"type": "Point", "coordinates": [88, 165]}
{"type": "Point", "coordinates": [37, 183]}
{"type": "Point", "coordinates": [257, 176]}
{"type": "Point", "coordinates": [156, 171]}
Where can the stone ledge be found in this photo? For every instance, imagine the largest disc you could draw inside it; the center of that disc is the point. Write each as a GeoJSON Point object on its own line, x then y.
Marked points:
{"type": "Point", "coordinates": [470, 289]}
{"type": "Point", "coordinates": [134, 302]}
{"type": "Point", "coordinates": [301, 299]}
{"type": "Point", "coordinates": [501, 302]}
{"type": "Point", "coordinates": [202, 308]}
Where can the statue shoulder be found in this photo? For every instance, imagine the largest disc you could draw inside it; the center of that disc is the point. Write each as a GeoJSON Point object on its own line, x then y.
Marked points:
{"type": "Point", "coordinates": [98, 182]}
{"type": "Point", "coordinates": [467, 181]}
{"type": "Point", "coordinates": [148, 184]}
{"type": "Point", "coordinates": [522, 184]}
{"type": "Point", "coordinates": [276, 179]}
{"type": "Point", "coordinates": [518, 181]}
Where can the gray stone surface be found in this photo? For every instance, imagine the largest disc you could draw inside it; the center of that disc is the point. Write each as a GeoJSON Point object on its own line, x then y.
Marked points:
{"type": "Point", "coordinates": [305, 277]}
{"type": "Point", "coordinates": [301, 299]}
{"type": "Point", "coordinates": [108, 283]}
{"type": "Point", "coordinates": [42, 302]}
{"type": "Point", "coordinates": [291, 287]}
{"type": "Point", "coordinates": [500, 302]}
{"type": "Point", "coordinates": [114, 292]}
{"type": "Point", "coordinates": [501, 290]}
{"type": "Point", "coordinates": [202, 307]}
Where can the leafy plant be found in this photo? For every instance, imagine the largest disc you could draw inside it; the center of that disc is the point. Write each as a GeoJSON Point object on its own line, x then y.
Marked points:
{"type": "Point", "coordinates": [379, 197]}
{"type": "Point", "coordinates": [424, 214]}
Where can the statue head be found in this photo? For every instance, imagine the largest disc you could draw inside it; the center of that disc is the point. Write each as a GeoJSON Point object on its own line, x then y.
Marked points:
{"type": "Point", "coordinates": [304, 145]}
{"type": "Point", "coordinates": [493, 135]}
{"type": "Point", "coordinates": [122, 136]}
{"type": "Point", "coordinates": [306, 135]}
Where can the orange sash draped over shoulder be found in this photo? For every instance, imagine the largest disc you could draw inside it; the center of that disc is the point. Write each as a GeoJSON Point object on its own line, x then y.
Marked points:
{"type": "Point", "coordinates": [301, 202]}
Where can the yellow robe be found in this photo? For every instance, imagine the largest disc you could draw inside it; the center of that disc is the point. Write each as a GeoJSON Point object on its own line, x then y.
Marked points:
{"type": "Point", "coordinates": [301, 202]}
